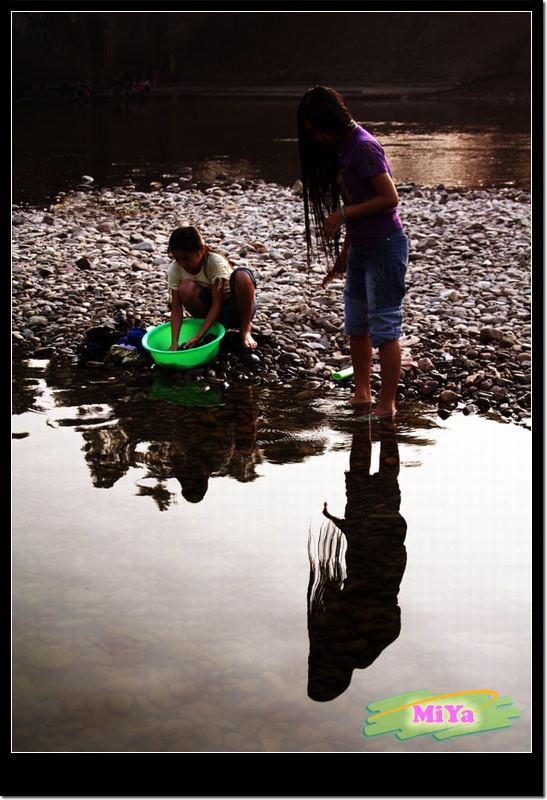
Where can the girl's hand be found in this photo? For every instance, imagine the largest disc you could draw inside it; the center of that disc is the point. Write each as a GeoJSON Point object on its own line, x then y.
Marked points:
{"type": "Point", "coordinates": [338, 269]}
{"type": "Point", "coordinates": [327, 279]}
{"type": "Point", "coordinates": [333, 223]}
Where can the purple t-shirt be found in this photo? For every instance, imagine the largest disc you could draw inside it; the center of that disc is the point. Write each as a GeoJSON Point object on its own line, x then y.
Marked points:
{"type": "Point", "coordinates": [360, 158]}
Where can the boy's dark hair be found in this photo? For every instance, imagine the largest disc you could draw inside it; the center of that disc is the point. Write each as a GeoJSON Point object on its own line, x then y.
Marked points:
{"type": "Point", "coordinates": [189, 240]}
{"type": "Point", "coordinates": [186, 238]}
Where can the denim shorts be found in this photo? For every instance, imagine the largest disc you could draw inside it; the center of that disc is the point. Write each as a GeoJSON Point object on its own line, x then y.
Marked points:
{"type": "Point", "coordinates": [229, 316]}
{"type": "Point", "coordinates": [375, 287]}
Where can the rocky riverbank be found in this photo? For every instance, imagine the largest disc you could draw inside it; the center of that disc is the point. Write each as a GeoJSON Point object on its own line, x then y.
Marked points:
{"type": "Point", "coordinates": [99, 255]}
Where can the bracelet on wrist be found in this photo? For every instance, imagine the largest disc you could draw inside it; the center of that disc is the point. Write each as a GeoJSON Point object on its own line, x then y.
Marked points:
{"type": "Point", "coordinates": [343, 212]}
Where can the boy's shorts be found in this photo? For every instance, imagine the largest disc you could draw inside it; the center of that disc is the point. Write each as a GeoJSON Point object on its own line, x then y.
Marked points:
{"type": "Point", "coordinates": [229, 316]}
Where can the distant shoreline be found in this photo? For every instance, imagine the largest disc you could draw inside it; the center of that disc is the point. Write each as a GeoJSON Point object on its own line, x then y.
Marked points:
{"type": "Point", "coordinates": [497, 90]}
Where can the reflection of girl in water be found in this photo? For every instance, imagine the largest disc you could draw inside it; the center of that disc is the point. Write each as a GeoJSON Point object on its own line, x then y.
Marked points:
{"type": "Point", "coordinates": [353, 617]}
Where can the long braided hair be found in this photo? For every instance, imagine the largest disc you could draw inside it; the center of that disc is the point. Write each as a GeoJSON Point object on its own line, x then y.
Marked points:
{"type": "Point", "coordinates": [325, 111]}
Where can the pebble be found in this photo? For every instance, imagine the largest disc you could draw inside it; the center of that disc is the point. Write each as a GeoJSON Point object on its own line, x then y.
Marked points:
{"type": "Point", "coordinates": [102, 253]}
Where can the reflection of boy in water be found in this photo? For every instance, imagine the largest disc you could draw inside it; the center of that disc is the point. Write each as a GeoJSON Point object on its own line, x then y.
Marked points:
{"type": "Point", "coordinates": [212, 441]}
{"type": "Point", "coordinates": [351, 620]}
{"type": "Point", "coordinates": [198, 468]}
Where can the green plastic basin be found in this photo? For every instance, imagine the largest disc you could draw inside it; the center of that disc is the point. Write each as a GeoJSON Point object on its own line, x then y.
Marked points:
{"type": "Point", "coordinates": [158, 340]}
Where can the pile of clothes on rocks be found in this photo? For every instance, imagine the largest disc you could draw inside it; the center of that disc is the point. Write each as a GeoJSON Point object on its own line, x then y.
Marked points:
{"type": "Point", "coordinates": [116, 339]}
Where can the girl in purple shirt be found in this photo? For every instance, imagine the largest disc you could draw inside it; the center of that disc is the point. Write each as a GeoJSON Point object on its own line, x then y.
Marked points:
{"type": "Point", "coordinates": [347, 182]}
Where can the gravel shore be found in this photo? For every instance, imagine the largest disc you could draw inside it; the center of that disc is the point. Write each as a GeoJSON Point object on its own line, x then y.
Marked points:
{"type": "Point", "coordinates": [98, 255]}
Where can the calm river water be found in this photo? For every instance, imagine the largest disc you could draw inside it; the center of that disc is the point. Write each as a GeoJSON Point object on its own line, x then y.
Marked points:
{"type": "Point", "coordinates": [177, 586]}
{"type": "Point", "coordinates": [56, 143]}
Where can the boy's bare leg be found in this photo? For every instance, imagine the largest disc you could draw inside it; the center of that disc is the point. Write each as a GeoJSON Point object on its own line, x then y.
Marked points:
{"type": "Point", "coordinates": [245, 295]}
{"type": "Point", "coordinates": [361, 358]}
{"type": "Point", "coordinates": [189, 292]}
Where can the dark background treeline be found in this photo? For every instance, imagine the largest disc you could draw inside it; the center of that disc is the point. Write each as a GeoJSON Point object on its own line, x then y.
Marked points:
{"type": "Point", "coordinates": [51, 49]}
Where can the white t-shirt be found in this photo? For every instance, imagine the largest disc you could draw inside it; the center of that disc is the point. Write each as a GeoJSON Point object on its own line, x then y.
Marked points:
{"type": "Point", "coordinates": [214, 267]}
